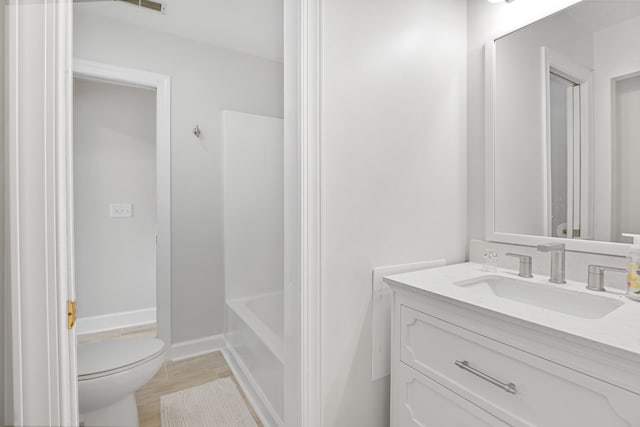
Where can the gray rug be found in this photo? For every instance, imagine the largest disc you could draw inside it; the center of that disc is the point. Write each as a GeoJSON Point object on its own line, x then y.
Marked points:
{"type": "Point", "coordinates": [215, 404]}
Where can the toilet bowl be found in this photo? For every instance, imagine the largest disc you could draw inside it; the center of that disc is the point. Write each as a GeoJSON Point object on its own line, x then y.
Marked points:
{"type": "Point", "coordinates": [109, 374]}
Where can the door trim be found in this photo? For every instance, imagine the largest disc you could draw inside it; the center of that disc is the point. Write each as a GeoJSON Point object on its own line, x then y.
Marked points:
{"type": "Point", "coordinates": [37, 325]}
{"type": "Point", "coordinates": [303, 208]}
{"type": "Point", "coordinates": [559, 64]}
{"type": "Point", "coordinates": [40, 257]}
{"type": "Point", "coordinates": [162, 85]}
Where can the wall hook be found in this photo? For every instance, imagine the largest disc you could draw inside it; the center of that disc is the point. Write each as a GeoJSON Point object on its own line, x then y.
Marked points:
{"type": "Point", "coordinates": [196, 131]}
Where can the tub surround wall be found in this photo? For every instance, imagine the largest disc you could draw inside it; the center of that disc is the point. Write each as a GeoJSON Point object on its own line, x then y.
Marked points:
{"type": "Point", "coordinates": [393, 173]}
{"type": "Point", "coordinates": [251, 351]}
{"type": "Point", "coordinates": [205, 81]}
{"type": "Point", "coordinates": [253, 205]}
{"type": "Point", "coordinates": [254, 253]}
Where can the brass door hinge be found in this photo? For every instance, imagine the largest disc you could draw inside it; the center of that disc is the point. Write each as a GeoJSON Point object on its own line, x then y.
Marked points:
{"type": "Point", "coordinates": [71, 313]}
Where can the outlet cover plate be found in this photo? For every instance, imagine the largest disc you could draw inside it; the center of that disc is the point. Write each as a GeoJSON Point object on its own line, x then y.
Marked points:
{"type": "Point", "coordinates": [121, 210]}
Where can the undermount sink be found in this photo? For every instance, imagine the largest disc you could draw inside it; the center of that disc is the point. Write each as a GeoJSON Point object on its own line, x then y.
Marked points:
{"type": "Point", "coordinates": [545, 296]}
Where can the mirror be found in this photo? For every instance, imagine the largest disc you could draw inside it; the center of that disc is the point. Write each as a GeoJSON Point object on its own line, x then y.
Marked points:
{"type": "Point", "coordinates": [565, 140]}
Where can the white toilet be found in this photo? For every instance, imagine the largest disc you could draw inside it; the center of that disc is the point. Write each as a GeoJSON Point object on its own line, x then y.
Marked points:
{"type": "Point", "coordinates": [109, 374]}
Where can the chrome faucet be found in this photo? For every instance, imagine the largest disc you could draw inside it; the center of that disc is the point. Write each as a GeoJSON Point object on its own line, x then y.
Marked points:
{"type": "Point", "coordinates": [595, 281]}
{"type": "Point", "coordinates": [525, 265]}
{"type": "Point", "coordinates": [557, 261]}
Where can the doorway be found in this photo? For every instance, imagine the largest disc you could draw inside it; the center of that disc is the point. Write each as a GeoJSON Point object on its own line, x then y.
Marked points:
{"type": "Point", "coordinates": [39, 144]}
{"type": "Point", "coordinates": [568, 146]}
{"type": "Point", "coordinates": [115, 209]}
{"type": "Point", "coordinates": [565, 146]}
{"type": "Point", "coordinates": [122, 231]}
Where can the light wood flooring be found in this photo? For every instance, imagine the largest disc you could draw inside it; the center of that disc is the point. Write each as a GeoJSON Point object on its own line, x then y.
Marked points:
{"type": "Point", "coordinates": [173, 376]}
{"type": "Point", "coordinates": [180, 375]}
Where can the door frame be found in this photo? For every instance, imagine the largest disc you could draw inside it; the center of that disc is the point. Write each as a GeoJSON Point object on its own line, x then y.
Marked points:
{"type": "Point", "coordinates": [38, 192]}
{"type": "Point", "coordinates": [303, 58]}
{"type": "Point", "coordinates": [40, 263]}
{"type": "Point", "coordinates": [162, 85]}
{"type": "Point", "coordinates": [556, 62]}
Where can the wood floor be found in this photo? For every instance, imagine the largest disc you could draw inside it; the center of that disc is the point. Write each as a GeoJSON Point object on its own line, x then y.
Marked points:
{"type": "Point", "coordinates": [180, 375]}
{"type": "Point", "coordinates": [173, 376]}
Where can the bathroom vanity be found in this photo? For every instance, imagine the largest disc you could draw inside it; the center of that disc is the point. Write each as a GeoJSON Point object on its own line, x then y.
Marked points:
{"type": "Point", "coordinates": [472, 348]}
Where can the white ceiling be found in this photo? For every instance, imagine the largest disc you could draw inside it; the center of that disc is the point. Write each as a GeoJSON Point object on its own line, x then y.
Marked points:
{"type": "Point", "coordinates": [254, 27]}
{"type": "Point", "coordinates": [596, 15]}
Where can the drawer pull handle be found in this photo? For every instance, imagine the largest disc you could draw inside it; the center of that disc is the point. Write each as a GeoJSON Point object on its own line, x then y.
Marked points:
{"type": "Point", "coordinates": [509, 388]}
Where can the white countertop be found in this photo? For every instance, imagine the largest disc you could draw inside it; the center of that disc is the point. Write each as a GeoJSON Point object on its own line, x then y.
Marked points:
{"type": "Point", "coordinates": [617, 332]}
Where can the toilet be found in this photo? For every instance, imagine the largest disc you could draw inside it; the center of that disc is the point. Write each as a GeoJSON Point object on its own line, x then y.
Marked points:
{"type": "Point", "coordinates": [110, 373]}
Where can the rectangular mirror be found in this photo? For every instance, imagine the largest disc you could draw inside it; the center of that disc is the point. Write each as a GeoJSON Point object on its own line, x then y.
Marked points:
{"type": "Point", "coordinates": [563, 158]}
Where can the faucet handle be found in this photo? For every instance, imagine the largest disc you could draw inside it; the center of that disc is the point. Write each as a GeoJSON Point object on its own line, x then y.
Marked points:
{"type": "Point", "coordinates": [595, 281]}
{"type": "Point", "coordinates": [525, 265]}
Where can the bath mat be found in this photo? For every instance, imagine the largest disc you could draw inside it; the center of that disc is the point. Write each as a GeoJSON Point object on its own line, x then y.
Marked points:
{"type": "Point", "coordinates": [215, 404]}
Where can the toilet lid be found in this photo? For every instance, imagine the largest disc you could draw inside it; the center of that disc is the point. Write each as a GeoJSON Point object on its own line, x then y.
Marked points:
{"type": "Point", "coordinates": [99, 357]}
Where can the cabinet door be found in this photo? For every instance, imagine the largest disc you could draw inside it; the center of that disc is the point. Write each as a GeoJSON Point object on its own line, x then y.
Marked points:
{"type": "Point", "coordinates": [423, 402]}
{"type": "Point", "coordinates": [520, 388]}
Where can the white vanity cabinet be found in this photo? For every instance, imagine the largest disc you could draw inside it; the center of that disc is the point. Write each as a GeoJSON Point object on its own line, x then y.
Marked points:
{"type": "Point", "coordinates": [456, 365]}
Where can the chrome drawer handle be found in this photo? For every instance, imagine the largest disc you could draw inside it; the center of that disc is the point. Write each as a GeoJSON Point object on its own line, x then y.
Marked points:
{"type": "Point", "coordinates": [509, 388]}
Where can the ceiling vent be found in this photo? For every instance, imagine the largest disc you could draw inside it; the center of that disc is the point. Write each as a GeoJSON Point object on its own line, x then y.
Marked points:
{"type": "Point", "coordinates": [147, 4]}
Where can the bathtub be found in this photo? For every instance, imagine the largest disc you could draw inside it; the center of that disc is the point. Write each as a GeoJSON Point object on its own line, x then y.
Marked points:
{"type": "Point", "coordinates": [255, 339]}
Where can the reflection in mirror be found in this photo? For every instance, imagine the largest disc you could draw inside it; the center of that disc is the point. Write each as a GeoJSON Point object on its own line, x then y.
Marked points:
{"type": "Point", "coordinates": [567, 134]}
{"type": "Point", "coordinates": [561, 105]}
{"type": "Point", "coordinates": [626, 206]}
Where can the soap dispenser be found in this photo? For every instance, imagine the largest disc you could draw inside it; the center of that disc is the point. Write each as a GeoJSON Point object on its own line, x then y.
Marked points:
{"type": "Point", "coordinates": [633, 268]}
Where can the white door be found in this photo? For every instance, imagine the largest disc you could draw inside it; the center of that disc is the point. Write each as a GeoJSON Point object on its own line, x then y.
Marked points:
{"type": "Point", "coordinates": [40, 211]}
{"type": "Point", "coordinates": [561, 118]}
{"type": "Point", "coordinates": [568, 166]}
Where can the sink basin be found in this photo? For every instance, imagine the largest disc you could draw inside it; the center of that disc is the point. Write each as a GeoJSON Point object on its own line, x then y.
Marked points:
{"type": "Point", "coordinates": [565, 301]}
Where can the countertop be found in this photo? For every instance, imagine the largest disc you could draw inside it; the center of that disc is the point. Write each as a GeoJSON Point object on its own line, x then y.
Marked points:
{"type": "Point", "coordinates": [617, 332]}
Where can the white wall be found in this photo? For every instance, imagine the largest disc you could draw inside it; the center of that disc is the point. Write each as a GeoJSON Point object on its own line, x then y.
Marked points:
{"type": "Point", "coordinates": [253, 205]}
{"type": "Point", "coordinates": [114, 162]}
{"type": "Point", "coordinates": [4, 306]}
{"type": "Point", "coordinates": [614, 56]}
{"type": "Point", "coordinates": [393, 173]}
{"type": "Point", "coordinates": [484, 21]}
{"type": "Point", "coordinates": [519, 155]}
{"type": "Point", "coordinates": [205, 81]}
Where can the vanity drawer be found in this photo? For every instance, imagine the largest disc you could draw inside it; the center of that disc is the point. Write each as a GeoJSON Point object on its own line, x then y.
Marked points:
{"type": "Point", "coordinates": [424, 402]}
{"type": "Point", "coordinates": [514, 385]}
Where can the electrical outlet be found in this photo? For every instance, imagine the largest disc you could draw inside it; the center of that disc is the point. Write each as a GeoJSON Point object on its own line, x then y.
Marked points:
{"type": "Point", "coordinates": [121, 210]}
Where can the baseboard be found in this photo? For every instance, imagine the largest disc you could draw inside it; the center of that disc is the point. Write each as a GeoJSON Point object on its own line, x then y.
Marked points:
{"type": "Point", "coordinates": [124, 319]}
{"type": "Point", "coordinates": [187, 349]}
{"type": "Point", "coordinates": [258, 400]}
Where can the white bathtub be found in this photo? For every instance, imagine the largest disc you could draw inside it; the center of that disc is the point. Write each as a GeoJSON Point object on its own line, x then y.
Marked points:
{"type": "Point", "coordinates": [255, 338]}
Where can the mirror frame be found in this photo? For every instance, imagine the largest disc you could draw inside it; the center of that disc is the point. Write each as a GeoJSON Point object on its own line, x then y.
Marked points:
{"type": "Point", "coordinates": [491, 234]}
